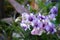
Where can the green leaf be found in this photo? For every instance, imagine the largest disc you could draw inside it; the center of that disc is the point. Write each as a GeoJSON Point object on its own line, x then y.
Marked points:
{"type": "Point", "coordinates": [58, 16]}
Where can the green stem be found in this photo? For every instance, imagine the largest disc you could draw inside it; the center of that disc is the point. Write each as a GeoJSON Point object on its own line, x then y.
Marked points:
{"type": "Point", "coordinates": [36, 38]}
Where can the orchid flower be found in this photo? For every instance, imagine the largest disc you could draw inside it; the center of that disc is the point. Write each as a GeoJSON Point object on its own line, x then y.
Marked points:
{"type": "Point", "coordinates": [39, 22]}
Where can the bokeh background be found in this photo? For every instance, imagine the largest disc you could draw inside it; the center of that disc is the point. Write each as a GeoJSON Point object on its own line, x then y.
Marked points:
{"type": "Point", "coordinates": [9, 30]}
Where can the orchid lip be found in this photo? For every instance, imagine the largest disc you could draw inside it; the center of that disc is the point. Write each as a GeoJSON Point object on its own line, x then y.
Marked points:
{"type": "Point", "coordinates": [30, 19]}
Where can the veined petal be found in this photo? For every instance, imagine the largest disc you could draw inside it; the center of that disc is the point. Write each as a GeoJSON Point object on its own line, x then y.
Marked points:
{"type": "Point", "coordinates": [36, 31]}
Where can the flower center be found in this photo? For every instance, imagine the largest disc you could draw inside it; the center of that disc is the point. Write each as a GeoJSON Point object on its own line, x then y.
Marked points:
{"type": "Point", "coordinates": [51, 30]}
{"type": "Point", "coordinates": [36, 24]}
{"type": "Point", "coordinates": [30, 19]}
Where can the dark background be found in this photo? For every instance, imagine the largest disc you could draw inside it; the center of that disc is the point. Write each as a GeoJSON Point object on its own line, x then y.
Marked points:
{"type": "Point", "coordinates": [2, 14]}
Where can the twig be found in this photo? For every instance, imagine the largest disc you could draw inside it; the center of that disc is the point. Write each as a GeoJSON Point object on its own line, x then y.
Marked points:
{"type": "Point", "coordinates": [19, 8]}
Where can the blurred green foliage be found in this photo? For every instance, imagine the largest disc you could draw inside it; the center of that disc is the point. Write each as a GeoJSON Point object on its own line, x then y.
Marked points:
{"type": "Point", "coordinates": [58, 16]}
{"type": "Point", "coordinates": [8, 8]}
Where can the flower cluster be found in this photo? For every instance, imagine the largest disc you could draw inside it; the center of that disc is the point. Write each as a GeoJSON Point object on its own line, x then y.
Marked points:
{"type": "Point", "coordinates": [39, 23]}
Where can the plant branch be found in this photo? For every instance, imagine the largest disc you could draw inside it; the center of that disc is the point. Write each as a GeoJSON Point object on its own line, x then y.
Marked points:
{"type": "Point", "coordinates": [19, 8]}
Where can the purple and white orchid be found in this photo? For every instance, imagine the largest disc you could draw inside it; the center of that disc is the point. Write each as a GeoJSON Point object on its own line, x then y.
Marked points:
{"type": "Point", "coordinates": [39, 23]}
